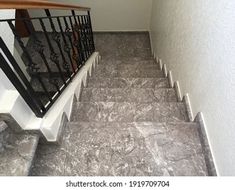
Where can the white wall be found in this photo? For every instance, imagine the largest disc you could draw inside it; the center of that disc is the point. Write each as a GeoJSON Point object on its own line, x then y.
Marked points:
{"type": "Point", "coordinates": [116, 15]}
{"type": "Point", "coordinates": [196, 39]}
{"type": "Point", "coordinates": [7, 36]}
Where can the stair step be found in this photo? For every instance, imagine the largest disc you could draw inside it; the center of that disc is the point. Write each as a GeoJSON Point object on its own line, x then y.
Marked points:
{"type": "Point", "coordinates": [17, 152]}
{"type": "Point", "coordinates": [130, 112]}
{"type": "Point", "coordinates": [123, 45]}
{"type": "Point", "coordinates": [133, 62]}
{"type": "Point", "coordinates": [129, 67]}
{"type": "Point", "coordinates": [101, 82]}
{"type": "Point", "coordinates": [127, 72]}
{"type": "Point", "coordinates": [143, 95]}
{"type": "Point", "coordinates": [124, 149]}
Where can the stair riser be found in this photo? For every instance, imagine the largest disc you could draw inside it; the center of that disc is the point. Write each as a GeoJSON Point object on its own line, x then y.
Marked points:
{"type": "Point", "coordinates": [129, 112]}
{"type": "Point", "coordinates": [128, 95]}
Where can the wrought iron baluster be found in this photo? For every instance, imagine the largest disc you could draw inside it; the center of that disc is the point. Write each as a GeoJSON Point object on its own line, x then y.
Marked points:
{"type": "Point", "coordinates": [39, 48]}
{"type": "Point", "coordinates": [66, 46]}
{"type": "Point", "coordinates": [56, 38]}
{"type": "Point", "coordinates": [83, 36]}
{"type": "Point", "coordinates": [80, 36]}
{"type": "Point", "coordinates": [86, 28]}
{"type": "Point", "coordinates": [69, 33]}
{"type": "Point", "coordinates": [32, 66]}
{"type": "Point", "coordinates": [90, 26]}
{"type": "Point", "coordinates": [21, 74]}
{"type": "Point", "coordinates": [88, 34]}
{"type": "Point", "coordinates": [19, 86]}
{"type": "Point", "coordinates": [53, 55]}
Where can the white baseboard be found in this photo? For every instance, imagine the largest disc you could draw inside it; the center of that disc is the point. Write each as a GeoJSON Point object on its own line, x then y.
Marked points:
{"type": "Point", "coordinates": [170, 79]}
{"type": "Point", "coordinates": [187, 103]}
{"type": "Point", "coordinates": [206, 146]}
{"type": "Point", "coordinates": [178, 91]}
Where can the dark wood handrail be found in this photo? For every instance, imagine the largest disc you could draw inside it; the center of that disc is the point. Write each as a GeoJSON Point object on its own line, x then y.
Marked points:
{"type": "Point", "coordinates": [38, 4]}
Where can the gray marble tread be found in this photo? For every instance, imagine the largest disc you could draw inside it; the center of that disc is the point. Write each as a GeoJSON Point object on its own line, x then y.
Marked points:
{"type": "Point", "coordinates": [105, 82]}
{"type": "Point", "coordinates": [123, 149]}
{"type": "Point", "coordinates": [125, 72]}
{"type": "Point", "coordinates": [120, 67]}
{"type": "Point", "coordinates": [130, 112]}
{"type": "Point", "coordinates": [137, 95]}
{"type": "Point", "coordinates": [17, 151]}
{"type": "Point", "coordinates": [123, 44]}
{"type": "Point", "coordinates": [131, 62]}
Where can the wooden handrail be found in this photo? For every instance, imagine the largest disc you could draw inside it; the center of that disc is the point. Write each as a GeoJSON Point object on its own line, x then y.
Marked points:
{"type": "Point", "coordinates": [38, 4]}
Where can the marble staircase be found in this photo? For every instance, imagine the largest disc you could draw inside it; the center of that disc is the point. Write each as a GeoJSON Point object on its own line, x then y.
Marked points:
{"type": "Point", "coordinates": [127, 121]}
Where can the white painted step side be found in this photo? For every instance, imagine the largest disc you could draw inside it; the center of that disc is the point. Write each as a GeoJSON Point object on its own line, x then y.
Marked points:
{"type": "Point", "coordinates": [51, 121]}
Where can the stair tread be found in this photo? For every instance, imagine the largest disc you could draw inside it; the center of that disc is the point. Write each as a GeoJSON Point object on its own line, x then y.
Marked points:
{"type": "Point", "coordinates": [128, 73]}
{"type": "Point", "coordinates": [16, 153]}
{"type": "Point", "coordinates": [124, 149]}
{"type": "Point", "coordinates": [130, 112]}
{"type": "Point", "coordinates": [131, 62]}
{"type": "Point", "coordinates": [118, 82]}
{"type": "Point", "coordinates": [143, 95]}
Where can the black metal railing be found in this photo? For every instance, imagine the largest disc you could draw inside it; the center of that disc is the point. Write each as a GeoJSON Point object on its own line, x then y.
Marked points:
{"type": "Point", "coordinates": [54, 53]}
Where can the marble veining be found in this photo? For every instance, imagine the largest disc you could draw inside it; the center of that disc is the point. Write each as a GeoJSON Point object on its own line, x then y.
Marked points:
{"type": "Point", "coordinates": [128, 72]}
{"type": "Point", "coordinates": [127, 121]}
{"type": "Point", "coordinates": [142, 95]}
{"type": "Point", "coordinates": [154, 83]}
{"type": "Point", "coordinates": [17, 152]}
{"type": "Point", "coordinates": [129, 112]}
{"type": "Point", "coordinates": [124, 149]}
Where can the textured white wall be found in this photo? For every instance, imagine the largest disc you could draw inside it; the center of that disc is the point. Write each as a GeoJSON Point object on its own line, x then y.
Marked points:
{"type": "Point", "coordinates": [117, 15]}
{"type": "Point", "coordinates": [196, 39]}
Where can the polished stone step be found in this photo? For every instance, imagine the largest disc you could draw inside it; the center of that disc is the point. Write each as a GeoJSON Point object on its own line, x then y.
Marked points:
{"type": "Point", "coordinates": [129, 67]}
{"type": "Point", "coordinates": [130, 112]}
{"type": "Point", "coordinates": [17, 151]}
{"type": "Point", "coordinates": [102, 82]}
{"type": "Point", "coordinates": [127, 72]}
{"type": "Point", "coordinates": [137, 95]}
{"type": "Point", "coordinates": [130, 61]}
{"type": "Point", "coordinates": [124, 149]}
{"type": "Point", "coordinates": [123, 44]}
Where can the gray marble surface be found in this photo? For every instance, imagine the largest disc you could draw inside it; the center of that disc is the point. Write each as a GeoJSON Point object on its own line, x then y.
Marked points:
{"type": "Point", "coordinates": [3, 126]}
{"type": "Point", "coordinates": [128, 121]}
{"type": "Point", "coordinates": [130, 112]}
{"type": "Point", "coordinates": [124, 149]}
{"type": "Point", "coordinates": [138, 95]}
{"type": "Point", "coordinates": [127, 72]}
{"type": "Point", "coordinates": [17, 153]}
{"type": "Point", "coordinates": [136, 61]}
{"type": "Point", "coordinates": [99, 82]}
{"type": "Point", "coordinates": [123, 44]}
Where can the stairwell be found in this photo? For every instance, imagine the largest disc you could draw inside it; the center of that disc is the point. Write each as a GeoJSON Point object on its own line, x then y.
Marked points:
{"type": "Point", "coordinates": [127, 121]}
